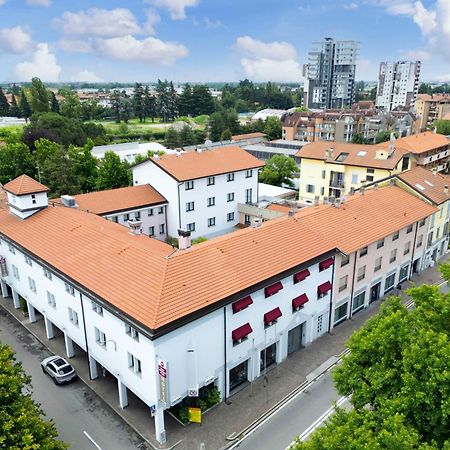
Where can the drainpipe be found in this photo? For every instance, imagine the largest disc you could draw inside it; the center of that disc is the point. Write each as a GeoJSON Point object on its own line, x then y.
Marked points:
{"type": "Point", "coordinates": [353, 286]}
{"type": "Point", "coordinates": [413, 251]}
{"type": "Point", "coordinates": [179, 206]}
{"type": "Point", "coordinates": [85, 335]}
{"type": "Point", "coordinates": [225, 353]}
{"type": "Point", "coordinates": [331, 294]}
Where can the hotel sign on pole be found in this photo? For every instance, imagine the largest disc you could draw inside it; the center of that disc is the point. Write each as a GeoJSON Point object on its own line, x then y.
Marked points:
{"type": "Point", "coordinates": [162, 372]}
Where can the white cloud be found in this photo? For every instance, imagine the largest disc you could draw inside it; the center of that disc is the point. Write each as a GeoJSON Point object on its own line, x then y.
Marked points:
{"type": "Point", "coordinates": [87, 76]}
{"type": "Point", "coordinates": [98, 22]}
{"type": "Point", "coordinates": [177, 8]}
{"type": "Point", "coordinates": [15, 40]}
{"type": "Point", "coordinates": [212, 24]}
{"type": "Point", "coordinates": [152, 19]}
{"type": "Point", "coordinates": [418, 55]}
{"type": "Point", "coordinates": [268, 61]}
{"type": "Point", "coordinates": [351, 5]}
{"type": "Point", "coordinates": [44, 3]}
{"type": "Point", "coordinates": [75, 45]}
{"type": "Point", "coordinates": [152, 50]}
{"type": "Point", "coordinates": [43, 65]}
{"type": "Point", "coordinates": [2, 2]}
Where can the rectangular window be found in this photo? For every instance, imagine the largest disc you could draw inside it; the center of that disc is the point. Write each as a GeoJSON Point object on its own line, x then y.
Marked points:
{"type": "Point", "coordinates": [28, 260]}
{"type": "Point", "coordinates": [97, 308]}
{"type": "Point", "coordinates": [419, 241]}
{"type": "Point", "coordinates": [150, 212]}
{"type": "Point", "coordinates": [340, 313]}
{"type": "Point", "coordinates": [11, 249]}
{"type": "Point", "coordinates": [358, 301]}
{"type": "Point", "coordinates": [100, 337]}
{"type": "Point", "coordinates": [211, 201]}
{"type": "Point", "coordinates": [189, 206]}
{"type": "Point", "coordinates": [354, 178]}
{"type": "Point", "coordinates": [407, 248]}
{"type": "Point", "coordinates": [324, 174]}
{"type": "Point", "coordinates": [344, 260]}
{"type": "Point", "coordinates": [230, 217]}
{"type": "Point", "coordinates": [137, 215]}
{"type": "Point", "coordinates": [247, 219]}
{"type": "Point", "coordinates": [248, 173]}
{"type": "Point", "coordinates": [161, 210]}
{"type": "Point", "coordinates": [380, 243]}
{"type": "Point", "coordinates": [363, 252]}
{"type": "Point", "coordinates": [319, 327]}
{"type": "Point", "coordinates": [211, 221]}
{"type": "Point", "coordinates": [393, 256]}
{"type": "Point", "coordinates": [69, 289]}
{"type": "Point", "coordinates": [343, 283]}
{"type": "Point", "coordinates": [409, 229]}
{"type": "Point", "coordinates": [403, 274]}
{"type": "Point", "coordinates": [248, 195]}
{"type": "Point", "coordinates": [131, 332]}
{"type": "Point", "coordinates": [51, 299]}
{"type": "Point", "coordinates": [189, 185]}
{"type": "Point", "coordinates": [430, 239]}
{"type": "Point", "coordinates": [422, 222]}
{"type": "Point", "coordinates": [15, 272]}
{"type": "Point", "coordinates": [230, 176]}
{"type": "Point", "coordinates": [211, 181]}
{"type": "Point", "coordinates": [161, 228]}
{"type": "Point", "coordinates": [115, 219]}
{"type": "Point", "coordinates": [73, 316]}
{"type": "Point", "coordinates": [32, 284]}
{"type": "Point", "coordinates": [230, 197]}
{"type": "Point", "coordinates": [369, 178]}
{"type": "Point", "coordinates": [47, 274]}
{"type": "Point", "coordinates": [191, 226]}
{"type": "Point", "coordinates": [134, 364]}
{"type": "Point", "coordinates": [310, 188]}
{"type": "Point", "coordinates": [361, 273]}
{"type": "Point", "coordinates": [395, 236]}
{"type": "Point", "coordinates": [389, 283]}
{"type": "Point", "coordinates": [151, 231]}
{"type": "Point", "coordinates": [126, 217]}
{"type": "Point", "coordinates": [378, 262]}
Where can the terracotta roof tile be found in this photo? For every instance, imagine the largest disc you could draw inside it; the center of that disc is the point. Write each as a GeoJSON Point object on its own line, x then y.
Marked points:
{"type": "Point", "coordinates": [121, 199]}
{"type": "Point", "coordinates": [243, 137]}
{"type": "Point", "coordinates": [24, 185]}
{"type": "Point", "coordinates": [192, 165]}
{"type": "Point", "coordinates": [430, 185]}
{"type": "Point", "coordinates": [279, 208]}
{"type": "Point", "coordinates": [422, 142]}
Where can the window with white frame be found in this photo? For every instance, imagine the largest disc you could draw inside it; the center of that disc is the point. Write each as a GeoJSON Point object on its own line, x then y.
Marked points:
{"type": "Point", "coordinates": [422, 222]}
{"type": "Point", "coordinates": [354, 178]}
{"type": "Point", "coordinates": [16, 274]}
{"type": "Point", "coordinates": [419, 241]}
{"type": "Point", "coordinates": [409, 229]}
{"type": "Point", "coordinates": [51, 299]}
{"type": "Point", "coordinates": [230, 197]}
{"type": "Point", "coordinates": [389, 282]}
{"type": "Point", "coordinates": [393, 255]}
{"type": "Point", "coordinates": [230, 217]}
{"type": "Point", "coordinates": [131, 332]}
{"type": "Point", "coordinates": [97, 308]}
{"type": "Point", "coordinates": [361, 273]}
{"type": "Point", "coordinates": [191, 226]}
{"type": "Point", "coordinates": [126, 217]}
{"type": "Point", "coordinates": [211, 201]}
{"type": "Point", "coordinates": [11, 249]}
{"type": "Point", "coordinates": [343, 283]}
{"type": "Point", "coordinates": [378, 262]}
{"type": "Point", "coordinates": [32, 284]}
{"type": "Point", "coordinates": [151, 231]}
{"type": "Point", "coordinates": [407, 248]}
{"type": "Point", "coordinates": [189, 206]}
{"type": "Point", "coordinates": [230, 176]}
{"type": "Point", "coordinates": [248, 173]}
{"type": "Point", "coordinates": [189, 185]}
{"type": "Point", "coordinates": [358, 301]}
{"type": "Point", "coordinates": [150, 212]}
{"type": "Point", "coordinates": [73, 316]}
{"type": "Point", "coordinates": [395, 236]}
{"type": "Point", "coordinates": [69, 289]}
{"type": "Point", "coordinates": [100, 337]}
{"type": "Point", "coordinates": [340, 313]}
{"type": "Point", "coordinates": [345, 259]}
{"type": "Point", "coordinates": [161, 210]}
{"type": "Point", "coordinates": [47, 273]}
{"type": "Point", "coordinates": [310, 188]}
{"type": "Point", "coordinates": [162, 228]}
{"type": "Point", "coordinates": [134, 364]}
{"type": "Point", "coordinates": [211, 221]}
{"type": "Point", "coordinates": [28, 260]}
{"type": "Point", "coordinates": [210, 181]}
{"type": "Point", "coordinates": [380, 243]}
{"type": "Point", "coordinates": [363, 252]}
{"type": "Point", "coordinates": [319, 327]}
{"type": "Point", "coordinates": [248, 195]}
{"type": "Point", "coordinates": [403, 273]}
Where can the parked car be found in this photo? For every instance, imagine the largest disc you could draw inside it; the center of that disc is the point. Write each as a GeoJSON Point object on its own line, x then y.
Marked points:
{"type": "Point", "coordinates": [59, 369]}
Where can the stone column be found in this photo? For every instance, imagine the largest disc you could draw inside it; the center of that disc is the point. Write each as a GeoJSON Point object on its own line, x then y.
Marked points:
{"type": "Point", "coordinates": [123, 396]}
{"type": "Point", "coordinates": [93, 372]}
{"type": "Point", "coordinates": [49, 329]}
{"type": "Point", "coordinates": [31, 312]}
{"type": "Point", "coordinates": [69, 346]}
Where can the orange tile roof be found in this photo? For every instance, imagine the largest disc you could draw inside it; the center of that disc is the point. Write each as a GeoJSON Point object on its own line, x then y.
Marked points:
{"type": "Point", "coordinates": [3, 199]}
{"type": "Point", "coordinates": [422, 142]}
{"type": "Point", "coordinates": [362, 220]}
{"type": "Point", "coordinates": [121, 199]}
{"type": "Point", "coordinates": [317, 149]}
{"type": "Point", "coordinates": [24, 185]}
{"type": "Point", "coordinates": [192, 165]}
{"type": "Point", "coordinates": [243, 137]}
{"type": "Point", "coordinates": [279, 208]}
{"type": "Point", "coordinates": [428, 184]}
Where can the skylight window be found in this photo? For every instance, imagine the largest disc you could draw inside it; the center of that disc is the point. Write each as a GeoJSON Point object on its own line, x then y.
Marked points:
{"type": "Point", "coordinates": [420, 187]}
{"type": "Point", "coordinates": [342, 157]}
{"type": "Point", "coordinates": [429, 184]}
{"type": "Point", "coordinates": [361, 153]}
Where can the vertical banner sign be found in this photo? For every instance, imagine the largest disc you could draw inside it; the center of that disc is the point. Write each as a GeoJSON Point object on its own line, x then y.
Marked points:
{"type": "Point", "coordinates": [162, 372]}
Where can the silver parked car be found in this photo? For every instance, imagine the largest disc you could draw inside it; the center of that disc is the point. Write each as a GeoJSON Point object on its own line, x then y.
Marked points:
{"type": "Point", "coordinates": [59, 369]}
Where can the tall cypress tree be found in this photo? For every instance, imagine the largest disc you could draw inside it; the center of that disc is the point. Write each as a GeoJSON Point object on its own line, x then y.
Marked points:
{"type": "Point", "coordinates": [14, 110]}
{"type": "Point", "coordinates": [24, 106]}
{"type": "Point", "coordinates": [138, 102]}
{"type": "Point", "coordinates": [54, 105]}
{"type": "Point", "coordinates": [40, 99]}
{"type": "Point", "coordinates": [4, 105]}
{"type": "Point", "coordinates": [150, 107]}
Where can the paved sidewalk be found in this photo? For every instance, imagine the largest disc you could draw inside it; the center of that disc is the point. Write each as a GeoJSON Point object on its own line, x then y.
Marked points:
{"type": "Point", "coordinates": [244, 407]}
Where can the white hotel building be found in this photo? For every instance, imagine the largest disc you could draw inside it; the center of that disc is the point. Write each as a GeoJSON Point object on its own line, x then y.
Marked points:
{"type": "Point", "coordinates": [221, 312]}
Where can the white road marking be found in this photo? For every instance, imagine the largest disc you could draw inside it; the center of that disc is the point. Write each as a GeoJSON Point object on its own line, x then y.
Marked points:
{"type": "Point", "coordinates": [92, 440]}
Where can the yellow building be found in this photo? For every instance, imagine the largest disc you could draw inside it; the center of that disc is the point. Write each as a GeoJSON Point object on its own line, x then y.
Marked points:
{"type": "Point", "coordinates": [333, 169]}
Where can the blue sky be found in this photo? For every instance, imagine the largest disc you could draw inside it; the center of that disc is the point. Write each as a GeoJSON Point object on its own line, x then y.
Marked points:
{"type": "Point", "coordinates": [212, 40]}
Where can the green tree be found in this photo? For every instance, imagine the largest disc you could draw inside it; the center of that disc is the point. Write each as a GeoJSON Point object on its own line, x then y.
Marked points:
{"type": "Point", "coordinates": [279, 171]}
{"type": "Point", "coordinates": [358, 138]}
{"type": "Point", "coordinates": [14, 110]}
{"type": "Point", "coordinates": [172, 138]}
{"type": "Point", "coordinates": [54, 105]}
{"type": "Point", "coordinates": [44, 150]}
{"type": "Point", "coordinates": [40, 98]}
{"type": "Point", "coordinates": [21, 419]}
{"type": "Point", "coordinates": [216, 126]}
{"type": "Point", "coordinates": [425, 88]}
{"type": "Point", "coordinates": [186, 101]}
{"type": "Point", "coordinates": [163, 100]}
{"type": "Point", "coordinates": [125, 109]}
{"type": "Point", "coordinates": [15, 159]}
{"type": "Point", "coordinates": [112, 172]}
{"type": "Point", "coordinates": [272, 128]}
{"type": "Point", "coordinates": [202, 101]}
{"type": "Point", "coordinates": [442, 127]}
{"type": "Point", "coordinates": [115, 105]}
{"type": "Point", "coordinates": [24, 106]}
{"type": "Point", "coordinates": [86, 165]}
{"type": "Point", "coordinates": [226, 135]}
{"type": "Point", "coordinates": [4, 105]}
{"type": "Point", "coordinates": [150, 105]}
{"type": "Point", "coordinates": [71, 105]}
{"type": "Point", "coordinates": [138, 102]}
{"type": "Point", "coordinates": [384, 136]}
{"type": "Point", "coordinates": [186, 136]}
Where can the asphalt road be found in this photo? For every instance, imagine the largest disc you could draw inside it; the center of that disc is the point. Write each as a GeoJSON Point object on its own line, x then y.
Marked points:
{"type": "Point", "coordinates": [74, 408]}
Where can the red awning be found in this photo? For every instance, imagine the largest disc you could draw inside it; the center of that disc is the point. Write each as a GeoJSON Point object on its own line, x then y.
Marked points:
{"type": "Point", "coordinates": [242, 304]}
{"type": "Point", "coordinates": [272, 315]}
{"type": "Point", "coordinates": [299, 301]}
{"type": "Point", "coordinates": [300, 276]}
{"type": "Point", "coordinates": [325, 264]}
{"type": "Point", "coordinates": [241, 332]}
{"type": "Point", "coordinates": [270, 290]}
{"type": "Point", "coordinates": [324, 288]}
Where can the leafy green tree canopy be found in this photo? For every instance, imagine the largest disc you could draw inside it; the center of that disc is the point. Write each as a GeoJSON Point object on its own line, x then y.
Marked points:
{"type": "Point", "coordinates": [15, 159]}
{"type": "Point", "coordinates": [279, 171]}
{"type": "Point", "coordinates": [40, 97]}
{"type": "Point", "coordinates": [112, 173]}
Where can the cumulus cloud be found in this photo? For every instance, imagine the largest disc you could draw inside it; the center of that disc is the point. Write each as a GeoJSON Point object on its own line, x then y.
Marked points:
{"type": "Point", "coordinates": [43, 65]}
{"type": "Point", "coordinates": [98, 22]}
{"type": "Point", "coordinates": [152, 19]}
{"type": "Point", "coordinates": [44, 3]}
{"type": "Point", "coordinates": [87, 76]}
{"type": "Point", "coordinates": [268, 61]}
{"type": "Point", "coordinates": [177, 8]}
{"type": "Point", "coordinates": [419, 54]}
{"type": "Point", "coordinates": [75, 45]}
{"type": "Point", "coordinates": [151, 49]}
{"type": "Point", "coordinates": [212, 24]}
{"type": "Point", "coordinates": [15, 40]}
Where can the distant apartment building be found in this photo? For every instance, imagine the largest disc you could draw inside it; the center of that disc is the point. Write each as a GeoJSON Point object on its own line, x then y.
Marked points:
{"type": "Point", "coordinates": [330, 74]}
{"type": "Point", "coordinates": [398, 84]}
{"type": "Point", "coordinates": [430, 108]}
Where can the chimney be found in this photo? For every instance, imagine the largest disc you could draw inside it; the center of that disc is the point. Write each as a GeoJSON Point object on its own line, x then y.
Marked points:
{"type": "Point", "coordinates": [184, 239]}
{"type": "Point", "coordinates": [446, 189]}
{"type": "Point", "coordinates": [135, 227]}
{"type": "Point", "coordinates": [178, 153]}
{"type": "Point", "coordinates": [337, 203]}
{"type": "Point", "coordinates": [352, 191]}
{"type": "Point", "coordinates": [392, 182]}
{"type": "Point", "coordinates": [375, 187]}
{"type": "Point", "coordinates": [316, 200]}
{"type": "Point", "coordinates": [361, 191]}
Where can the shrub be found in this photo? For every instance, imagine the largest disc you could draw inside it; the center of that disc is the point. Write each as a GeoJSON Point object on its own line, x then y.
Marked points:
{"type": "Point", "coordinates": [183, 414]}
{"type": "Point", "coordinates": [23, 306]}
{"type": "Point", "coordinates": [212, 396]}
{"type": "Point", "coordinates": [202, 404]}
